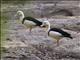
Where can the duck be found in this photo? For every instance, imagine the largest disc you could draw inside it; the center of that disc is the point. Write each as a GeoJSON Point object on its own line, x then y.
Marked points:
{"type": "Point", "coordinates": [28, 21]}
{"type": "Point", "coordinates": [55, 33]}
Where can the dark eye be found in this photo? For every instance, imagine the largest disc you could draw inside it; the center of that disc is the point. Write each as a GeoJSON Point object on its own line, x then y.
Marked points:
{"type": "Point", "coordinates": [44, 26]}
{"type": "Point", "coordinates": [19, 13]}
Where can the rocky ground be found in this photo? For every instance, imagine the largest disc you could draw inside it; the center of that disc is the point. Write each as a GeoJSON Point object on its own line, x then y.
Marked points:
{"type": "Point", "coordinates": [38, 46]}
{"type": "Point", "coordinates": [21, 45]}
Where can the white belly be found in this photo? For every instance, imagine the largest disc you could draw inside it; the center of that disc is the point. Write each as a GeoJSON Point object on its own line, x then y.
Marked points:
{"type": "Point", "coordinates": [29, 23]}
{"type": "Point", "coordinates": [55, 35]}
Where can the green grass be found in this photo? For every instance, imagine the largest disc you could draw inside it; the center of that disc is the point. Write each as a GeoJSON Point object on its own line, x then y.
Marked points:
{"type": "Point", "coordinates": [4, 27]}
{"type": "Point", "coordinates": [3, 32]}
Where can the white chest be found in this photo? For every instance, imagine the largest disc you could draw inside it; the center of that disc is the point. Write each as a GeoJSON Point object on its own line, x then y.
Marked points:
{"type": "Point", "coordinates": [55, 35]}
{"type": "Point", "coordinates": [29, 23]}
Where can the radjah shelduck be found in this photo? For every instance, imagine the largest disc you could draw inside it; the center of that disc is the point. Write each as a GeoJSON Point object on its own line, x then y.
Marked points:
{"type": "Point", "coordinates": [29, 22]}
{"type": "Point", "coordinates": [55, 33]}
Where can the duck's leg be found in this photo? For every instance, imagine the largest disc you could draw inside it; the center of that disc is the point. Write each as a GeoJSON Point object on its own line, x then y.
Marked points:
{"type": "Point", "coordinates": [57, 42]}
{"type": "Point", "coordinates": [30, 30]}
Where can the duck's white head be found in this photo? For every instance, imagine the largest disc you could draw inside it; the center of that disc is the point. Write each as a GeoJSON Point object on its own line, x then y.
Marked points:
{"type": "Point", "coordinates": [20, 14]}
{"type": "Point", "coordinates": [46, 25]}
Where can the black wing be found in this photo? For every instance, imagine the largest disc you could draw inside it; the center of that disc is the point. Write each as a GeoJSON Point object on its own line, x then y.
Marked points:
{"type": "Point", "coordinates": [65, 34]}
{"type": "Point", "coordinates": [38, 23]}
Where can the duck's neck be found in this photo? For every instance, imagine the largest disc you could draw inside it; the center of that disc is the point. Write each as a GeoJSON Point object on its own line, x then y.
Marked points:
{"type": "Point", "coordinates": [21, 17]}
{"type": "Point", "coordinates": [48, 28]}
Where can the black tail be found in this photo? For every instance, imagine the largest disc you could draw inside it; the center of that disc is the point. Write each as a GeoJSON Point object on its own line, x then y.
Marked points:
{"type": "Point", "coordinates": [70, 37]}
